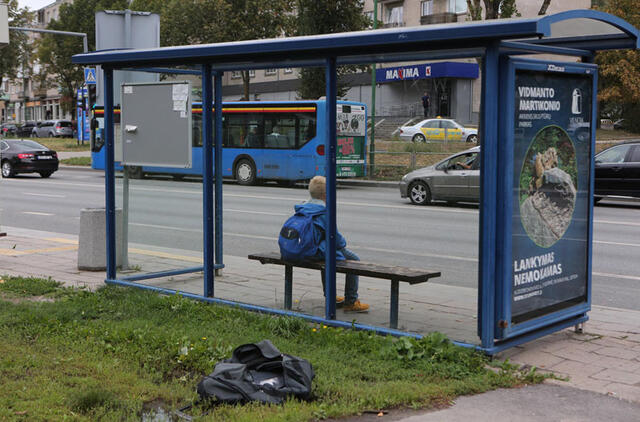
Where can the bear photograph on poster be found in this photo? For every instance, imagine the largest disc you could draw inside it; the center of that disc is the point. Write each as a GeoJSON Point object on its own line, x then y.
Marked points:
{"type": "Point", "coordinates": [548, 182]}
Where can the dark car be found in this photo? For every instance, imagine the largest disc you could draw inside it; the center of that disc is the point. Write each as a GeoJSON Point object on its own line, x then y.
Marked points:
{"type": "Point", "coordinates": [618, 171]}
{"type": "Point", "coordinates": [8, 129]}
{"type": "Point", "coordinates": [26, 129]}
{"type": "Point", "coordinates": [25, 156]}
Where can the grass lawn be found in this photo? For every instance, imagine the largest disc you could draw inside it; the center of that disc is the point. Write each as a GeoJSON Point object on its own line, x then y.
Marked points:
{"type": "Point", "coordinates": [69, 354]}
{"type": "Point", "coordinates": [62, 144]}
{"type": "Point", "coordinates": [76, 161]}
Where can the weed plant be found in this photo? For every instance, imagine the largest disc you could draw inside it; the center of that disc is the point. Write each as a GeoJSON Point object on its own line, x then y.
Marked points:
{"type": "Point", "coordinates": [105, 355]}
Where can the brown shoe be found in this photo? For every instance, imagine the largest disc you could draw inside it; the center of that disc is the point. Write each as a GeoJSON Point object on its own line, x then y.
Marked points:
{"type": "Point", "coordinates": [356, 307]}
{"type": "Point", "coordinates": [339, 300]}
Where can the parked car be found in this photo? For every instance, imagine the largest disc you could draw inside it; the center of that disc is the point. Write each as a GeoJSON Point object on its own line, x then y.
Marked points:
{"type": "Point", "coordinates": [26, 129]}
{"type": "Point", "coordinates": [618, 171]}
{"type": "Point", "coordinates": [435, 130]}
{"type": "Point", "coordinates": [8, 129]}
{"type": "Point", "coordinates": [456, 178]}
{"type": "Point", "coordinates": [53, 129]}
{"type": "Point", "coordinates": [26, 156]}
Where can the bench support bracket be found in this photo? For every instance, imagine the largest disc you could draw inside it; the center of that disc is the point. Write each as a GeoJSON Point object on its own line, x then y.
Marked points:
{"type": "Point", "coordinates": [288, 284]}
{"type": "Point", "coordinates": [393, 313]}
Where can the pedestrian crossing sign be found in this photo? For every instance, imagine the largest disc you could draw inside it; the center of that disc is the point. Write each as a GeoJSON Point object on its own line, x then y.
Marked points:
{"type": "Point", "coordinates": [90, 75]}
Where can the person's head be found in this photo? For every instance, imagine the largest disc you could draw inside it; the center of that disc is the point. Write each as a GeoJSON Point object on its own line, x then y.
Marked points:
{"type": "Point", "coordinates": [318, 188]}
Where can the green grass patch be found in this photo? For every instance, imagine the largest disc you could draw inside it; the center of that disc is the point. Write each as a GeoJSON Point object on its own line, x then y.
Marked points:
{"type": "Point", "coordinates": [107, 355]}
{"type": "Point", "coordinates": [28, 286]}
{"type": "Point", "coordinates": [77, 161]}
{"type": "Point", "coordinates": [62, 144]}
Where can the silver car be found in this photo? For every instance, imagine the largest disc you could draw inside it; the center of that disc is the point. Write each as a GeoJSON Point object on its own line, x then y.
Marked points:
{"type": "Point", "coordinates": [456, 178]}
{"type": "Point", "coordinates": [53, 129]}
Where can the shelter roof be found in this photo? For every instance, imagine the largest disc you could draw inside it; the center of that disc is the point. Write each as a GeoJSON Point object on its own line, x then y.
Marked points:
{"type": "Point", "coordinates": [588, 30]}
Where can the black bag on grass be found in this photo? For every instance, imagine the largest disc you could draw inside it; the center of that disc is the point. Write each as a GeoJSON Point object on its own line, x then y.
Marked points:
{"type": "Point", "coordinates": [258, 372]}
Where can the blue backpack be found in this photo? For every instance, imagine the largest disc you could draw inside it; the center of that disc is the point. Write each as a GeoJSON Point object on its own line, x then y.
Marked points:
{"type": "Point", "coordinates": [296, 238]}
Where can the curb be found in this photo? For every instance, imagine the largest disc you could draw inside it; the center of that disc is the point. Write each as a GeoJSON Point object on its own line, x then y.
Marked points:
{"type": "Point", "coordinates": [67, 167]}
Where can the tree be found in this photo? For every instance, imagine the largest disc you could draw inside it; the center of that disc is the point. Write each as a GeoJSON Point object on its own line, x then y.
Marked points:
{"type": "Point", "coordinates": [187, 22]}
{"type": "Point", "coordinates": [619, 95]}
{"type": "Point", "coordinates": [258, 19]}
{"type": "Point", "coordinates": [15, 59]}
{"type": "Point", "coordinates": [494, 9]}
{"type": "Point", "coordinates": [326, 17]}
{"type": "Point", "coordinates": [55, 51]}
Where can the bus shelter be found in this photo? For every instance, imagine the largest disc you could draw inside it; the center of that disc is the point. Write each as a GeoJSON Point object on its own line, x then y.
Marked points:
{"type": "Point", "coordinates": [537, 135]}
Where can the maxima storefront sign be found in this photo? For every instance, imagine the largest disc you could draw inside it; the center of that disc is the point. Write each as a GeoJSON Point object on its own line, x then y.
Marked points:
{"type": "Point", "coordinates": [427, 70]}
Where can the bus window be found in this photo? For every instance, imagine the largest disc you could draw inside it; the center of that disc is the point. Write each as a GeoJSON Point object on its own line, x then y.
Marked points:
{"type": "Point", "coordinates": [306, 128]}
{"type": "Point", "coordinates": [196, 130]}
{"type": "Point", "coordinates": [243, 130]}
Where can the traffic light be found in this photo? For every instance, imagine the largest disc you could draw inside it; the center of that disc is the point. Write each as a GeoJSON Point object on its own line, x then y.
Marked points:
{"type": "Point", "coordinates": [91, 89]}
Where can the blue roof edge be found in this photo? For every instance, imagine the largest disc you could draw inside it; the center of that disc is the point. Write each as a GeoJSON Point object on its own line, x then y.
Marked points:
{"type": "Point", "coordinates": [345, 44]}
{"type": "Point", "coordinates": [544, 22]}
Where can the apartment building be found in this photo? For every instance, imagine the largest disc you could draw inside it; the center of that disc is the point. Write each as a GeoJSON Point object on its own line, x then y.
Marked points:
{"type": "Point", "coordinates": [25, 97]}
{"type": "Point", "coordinates": [453, 86]}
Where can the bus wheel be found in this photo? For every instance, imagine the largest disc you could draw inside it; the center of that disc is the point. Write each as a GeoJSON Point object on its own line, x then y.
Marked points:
{"type": "Point", "coordinates": [135, 172]}
{"type": "Point", "coordinates": [246, 172]}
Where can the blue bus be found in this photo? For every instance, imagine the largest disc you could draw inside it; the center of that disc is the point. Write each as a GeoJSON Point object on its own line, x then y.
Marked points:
{"type": "Point", "coordinates": [279, 141]}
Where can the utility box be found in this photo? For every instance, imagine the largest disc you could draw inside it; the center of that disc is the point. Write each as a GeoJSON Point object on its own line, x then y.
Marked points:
{"type": "Point", "coordinates": [92, 245]}
{"type": "Point", "coordinates": [4, 25]}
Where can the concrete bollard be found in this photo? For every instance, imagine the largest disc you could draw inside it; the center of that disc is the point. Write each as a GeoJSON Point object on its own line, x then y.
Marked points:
{"type": "Point", "coordinates": [92, 244]}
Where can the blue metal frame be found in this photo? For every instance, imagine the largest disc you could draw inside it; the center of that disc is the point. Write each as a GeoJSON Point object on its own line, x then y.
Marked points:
{"type": "Point", "coordinates": [109, 175]}
{"type": "Point", "coordinates": [207, 181]}
{"type": "Point", "coordinates": [331, 141]}
{"type": "Point", "coordinates": [504, 269]}
{"type": "Point", "coordinates": [488, 178]}
{"type": "Point", "coordinates": [217, 105]}
{"type": "Point", "coordinates": [490, 38]}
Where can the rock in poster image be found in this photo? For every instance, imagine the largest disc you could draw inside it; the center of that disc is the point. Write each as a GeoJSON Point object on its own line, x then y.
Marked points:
{"type": "Point", "coordinates": [548, 183]}
{"type": "Point", "coordinates": [550, 191]}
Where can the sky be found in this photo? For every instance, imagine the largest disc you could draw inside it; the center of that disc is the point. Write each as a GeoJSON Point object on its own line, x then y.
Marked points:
{"type": "Point", "coordinates": [34, 4]}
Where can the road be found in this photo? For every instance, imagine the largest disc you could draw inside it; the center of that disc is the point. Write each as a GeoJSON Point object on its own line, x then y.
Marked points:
{"type": "Point", "coordinates": [377, 223]}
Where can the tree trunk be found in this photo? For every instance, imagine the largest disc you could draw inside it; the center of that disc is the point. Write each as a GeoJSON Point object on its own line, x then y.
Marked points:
{"type": "Point", "coordinates": [491, 9]}
{"type": "Point", "coordinates": [245, 83]}
{"type": "Point", "coordinates": [544, 7]}
{"type": "Point", "coordinates": [475, 9]}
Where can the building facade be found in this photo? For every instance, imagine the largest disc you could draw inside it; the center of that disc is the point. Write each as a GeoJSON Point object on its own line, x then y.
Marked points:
{"type": "Point", "coordinates": [452, 86]}
{"type": "Point", "coordinates": [25, 97]}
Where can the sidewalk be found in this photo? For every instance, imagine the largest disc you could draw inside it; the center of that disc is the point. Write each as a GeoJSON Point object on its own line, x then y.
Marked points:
{"type": "Point", "coordinates": [605, 359]}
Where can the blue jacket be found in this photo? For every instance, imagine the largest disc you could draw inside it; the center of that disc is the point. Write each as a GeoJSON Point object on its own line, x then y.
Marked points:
{"type": "Point", "coordinates": [317, 212]}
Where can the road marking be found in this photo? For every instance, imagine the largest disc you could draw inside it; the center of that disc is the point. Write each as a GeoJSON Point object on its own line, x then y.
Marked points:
{"type": "Point", "coordinates": [256, 212]}
{"type": "Point", "coordinates": [157, 226]}
{"type": "Point", "coordinates": [627, 277]}
{"type": "Point", "coordinates": [166, 255]}
{"type": "Point", "coordinates": [421, 255]}
{"type": "Point", "coordinates": [620, 223]}
{"type": "Point", "coordinates": [62, 240]}
{"type": "Point", "coordinates": [616, 243]}
{"type": "Point", "coordinates": [13, 252]}
{"type": "Point", "coordinates": [44, 194]}
{"type": "Point", "coordinates": [37, 213]}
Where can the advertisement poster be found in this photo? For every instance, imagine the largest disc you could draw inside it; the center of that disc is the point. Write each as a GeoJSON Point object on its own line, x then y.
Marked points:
{"type": "Point", "coordinates": [352, 129]}
{"type": "Point", "coordinates": [552, 154]}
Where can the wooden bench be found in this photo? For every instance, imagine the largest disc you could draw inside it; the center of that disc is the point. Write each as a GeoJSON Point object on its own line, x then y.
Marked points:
{"type": "Point", "coordinates": [367, 269]}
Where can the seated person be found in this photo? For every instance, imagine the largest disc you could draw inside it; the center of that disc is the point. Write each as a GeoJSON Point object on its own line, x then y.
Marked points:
{"type": "Point", "coordinates": [316, 207]}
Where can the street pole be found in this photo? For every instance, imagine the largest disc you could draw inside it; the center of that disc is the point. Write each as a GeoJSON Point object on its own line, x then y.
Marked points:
{"type": "Point", "coordinates": [372, 145]}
